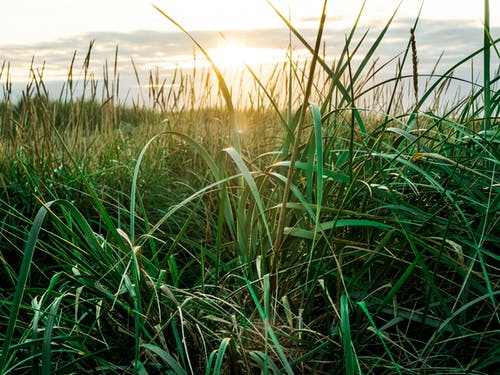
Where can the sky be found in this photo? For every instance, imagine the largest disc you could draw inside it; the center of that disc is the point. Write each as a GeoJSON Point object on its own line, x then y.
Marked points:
{"type": "Point", "coordinates": [30, 21]}
{"type": "Point", "coordinates": [50, 31]}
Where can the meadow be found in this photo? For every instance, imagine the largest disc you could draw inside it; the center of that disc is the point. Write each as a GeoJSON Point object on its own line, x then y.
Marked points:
{"type": "Point", "coordinates": [324, 224]}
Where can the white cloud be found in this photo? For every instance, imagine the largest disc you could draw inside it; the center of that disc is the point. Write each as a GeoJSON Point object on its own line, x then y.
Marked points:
{"type": "Point", "coordinates": [30, 21]}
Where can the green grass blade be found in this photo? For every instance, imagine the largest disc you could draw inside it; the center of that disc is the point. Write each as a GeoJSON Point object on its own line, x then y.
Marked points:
{"type": "Point", "coordinates": [487, 67]}
{"type": "Point", "coordinates": [166, 358]}
{"type": "Point", "coordinates": [264, 362]}
{"type": "Point", "coordinates": [47, 336]}
{"type": "Point", "coordinates": [364, 308]}
{"type": "Point", "coordinates": [318, 136]}
{"type": "Point", "coordinates": [220, 355]}
{"type": "Point", "coordinates": [252, 186]}
{"type": "Point", "coordinates": [328, 225]}
{"type": "Point", "coordinates": [24, 271]}
{"type": "Point", "coordinates": [269, 330]}
{"type": "Point", "coordinates": [451, 317]}
{"type": "Point", "coordinates": [192, 143]}
{"type": "Point", "coordinates": [346, 336]}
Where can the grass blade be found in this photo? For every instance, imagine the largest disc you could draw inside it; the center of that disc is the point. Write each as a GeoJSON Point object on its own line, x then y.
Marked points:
{"type": "Point", "coordinates": [166, 358]}
{"type": "Point", "coordinates": [364, 308]}
{"type": "Point", "coordinates": [21, 282]}
{"type": "Point", "coordinates": [220, 355]}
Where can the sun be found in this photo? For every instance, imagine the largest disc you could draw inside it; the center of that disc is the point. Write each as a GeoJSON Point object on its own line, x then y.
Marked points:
{"type": "Point", "coordinates": [231, 54]}
{"type": "Point", "coordinates": [234, 54]}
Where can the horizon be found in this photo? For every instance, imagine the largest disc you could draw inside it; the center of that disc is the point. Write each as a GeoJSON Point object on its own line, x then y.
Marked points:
{"type": "Point", "coordinates": [166, 50]}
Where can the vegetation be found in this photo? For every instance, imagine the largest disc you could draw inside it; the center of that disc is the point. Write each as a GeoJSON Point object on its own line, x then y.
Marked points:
{"type": "Point", "coordinates": [276, 237]}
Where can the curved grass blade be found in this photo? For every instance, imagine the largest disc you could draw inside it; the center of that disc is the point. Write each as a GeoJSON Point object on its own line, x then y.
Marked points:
{"type": "Point", "coordinates": [47, 337]}
{"type": "Point", "coordinates": [166, 358]}
{"type": "Point", "coordinates": [29, 250]}
{"type": "Point", "coordinates": [222, 83]}
{"type": "Point", "coordinates": [444, 325]}
{"type": "Point", "coordinates": [410, 137]}
{"type": "Point", "coordinates": [220, 355]}
{"type": "Point", "coordinates": [196, 146]}
{"type": "Point", "coordinates": [211, 358]}
{"type": "Point", "coordinates": [265, 362]}
{"type": "Point", "coordinates": [189, 199]}
{"type": "Point", "coordinates": [253, 187]}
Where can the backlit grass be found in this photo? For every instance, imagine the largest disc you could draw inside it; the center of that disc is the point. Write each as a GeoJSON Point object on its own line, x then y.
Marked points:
{"type": "Point", "coordinates": [337, 226]}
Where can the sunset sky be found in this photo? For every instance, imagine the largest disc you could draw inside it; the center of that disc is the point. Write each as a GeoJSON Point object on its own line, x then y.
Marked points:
{"type": "Point", "coordinates": [50, 31]}
{"type": "Point", "coordinates": [29, 21]}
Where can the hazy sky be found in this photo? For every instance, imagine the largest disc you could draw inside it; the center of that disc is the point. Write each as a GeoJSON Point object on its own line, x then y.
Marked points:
{"type": "Point", "coordinates": [50, 31]}
{"type": "Point", "coordinates": [30, 21]}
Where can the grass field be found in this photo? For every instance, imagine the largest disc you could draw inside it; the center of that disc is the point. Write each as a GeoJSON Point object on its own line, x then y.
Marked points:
{"type": "Point", "coordinates": [325, 225]}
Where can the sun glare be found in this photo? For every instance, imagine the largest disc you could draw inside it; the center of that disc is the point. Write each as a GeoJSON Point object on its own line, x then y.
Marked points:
{"type": "Point", "coordinates": [234, 54]}
{"type": "Point", "coordinates": [230, 54]}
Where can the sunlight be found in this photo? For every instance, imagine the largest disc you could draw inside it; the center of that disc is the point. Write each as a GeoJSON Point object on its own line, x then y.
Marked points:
{"type": "Point", "coordinates": [234, 54]}
{"type": "Point", "coordinates": [230, 54]}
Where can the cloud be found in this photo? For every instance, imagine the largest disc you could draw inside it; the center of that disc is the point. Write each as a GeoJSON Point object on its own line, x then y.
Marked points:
{"type": "Point", "coordinates": [167, 50]}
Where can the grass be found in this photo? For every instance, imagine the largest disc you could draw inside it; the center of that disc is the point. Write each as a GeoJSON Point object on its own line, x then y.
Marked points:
{"type": "Point", "coordinates": [310, 231]}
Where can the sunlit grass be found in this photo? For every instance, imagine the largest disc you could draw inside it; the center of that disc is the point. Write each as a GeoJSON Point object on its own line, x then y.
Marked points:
{"type": "Point", "coordinates": [298, 233]}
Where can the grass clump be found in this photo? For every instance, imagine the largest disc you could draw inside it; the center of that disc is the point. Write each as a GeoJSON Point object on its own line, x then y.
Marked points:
{"type": "Point", "coordinates": [328, 237]}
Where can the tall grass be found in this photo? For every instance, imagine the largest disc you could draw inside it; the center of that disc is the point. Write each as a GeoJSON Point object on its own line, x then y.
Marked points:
{"type": "Point", "coordinates": [305, 233]}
